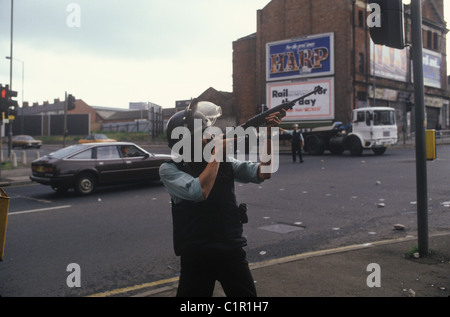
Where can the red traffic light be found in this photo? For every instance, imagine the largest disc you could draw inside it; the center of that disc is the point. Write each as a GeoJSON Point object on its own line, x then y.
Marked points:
{"type": "Point", "coordinates": [6, 98]}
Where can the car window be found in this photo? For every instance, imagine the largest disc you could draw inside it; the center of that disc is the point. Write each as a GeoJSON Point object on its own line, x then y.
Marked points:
{"type": "Point", "coordinates": [131, 151]}
{"type": "Point", "coordinates": [85, 155]}
{"type": "Point", "coordinates": [65, 151]}
{"type": "Point", "coordinates": [107, 153]}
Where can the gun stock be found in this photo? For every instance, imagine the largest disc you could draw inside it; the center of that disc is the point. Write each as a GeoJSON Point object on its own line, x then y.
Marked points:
{"type": "Point", "coordinates": [260, 119]}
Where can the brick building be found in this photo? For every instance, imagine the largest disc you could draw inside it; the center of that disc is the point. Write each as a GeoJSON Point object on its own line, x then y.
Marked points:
{"type": "Point", "coordinates": [222, 98]}
{"type": "Point", "coordinates": [328, 42]}
{"type": "Point", "coordinates": [57, 108]}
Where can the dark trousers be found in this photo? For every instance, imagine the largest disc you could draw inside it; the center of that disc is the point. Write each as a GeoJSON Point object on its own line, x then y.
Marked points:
{"type": "Point", "coordinates": [200, 271]}
{"type": "Point", "coordinates": [297, 150]}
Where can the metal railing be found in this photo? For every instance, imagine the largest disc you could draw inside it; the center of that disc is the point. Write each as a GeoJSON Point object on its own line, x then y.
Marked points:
{"type": "Point", "coordinates": [442, 137]}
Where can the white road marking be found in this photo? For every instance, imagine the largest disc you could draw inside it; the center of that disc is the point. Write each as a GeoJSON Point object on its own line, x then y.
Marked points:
{"type": "Point", "coordinates": [38, 210]}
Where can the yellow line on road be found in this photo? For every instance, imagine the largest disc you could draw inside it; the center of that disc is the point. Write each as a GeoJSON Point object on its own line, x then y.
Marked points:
{"type": "Point", "coordinates": [135, 288]}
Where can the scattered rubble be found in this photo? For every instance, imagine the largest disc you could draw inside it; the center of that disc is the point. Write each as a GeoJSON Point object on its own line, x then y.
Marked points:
{"type": "Point", "coordinates": [399, 227]}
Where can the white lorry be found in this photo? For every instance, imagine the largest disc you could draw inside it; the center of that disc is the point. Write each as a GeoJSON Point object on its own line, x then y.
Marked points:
{"type": "Point", "coordinates": [371, 129]}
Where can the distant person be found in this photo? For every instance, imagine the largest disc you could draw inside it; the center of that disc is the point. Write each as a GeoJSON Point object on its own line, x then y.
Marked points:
{"type": "Point", "coordinates": [438, 129]}
{"type": "Point", "coordinates": [297, 142]}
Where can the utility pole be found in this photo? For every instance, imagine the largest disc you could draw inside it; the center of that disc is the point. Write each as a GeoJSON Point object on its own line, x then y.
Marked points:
{"type": "Point", "coordinates": [386, 26]}
{"type": "Point", "coordinates": [419, 103]}
{"type": "Point", "coordinates": [65, 120]}
{"type": "Point", "coordinates": [10, 77]}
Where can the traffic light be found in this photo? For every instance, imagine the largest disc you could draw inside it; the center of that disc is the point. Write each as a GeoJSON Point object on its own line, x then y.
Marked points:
{"type": "Point", "coordinates": [3, 100]}
{"type": "Point", "coordinates": [9, 95]}
{"type": "Point", "coordinates": [386, 23]}
{"type": "Point", "coordinates": [409, 105]}
{"type": "Point", "coordinates": [6, 101]}
{"type": "Point", "coordinates": [261, 109]}
{"type": "Point", "coordinates": [13, 112]}
{"type": "Point", "coordinates": [70, 102]}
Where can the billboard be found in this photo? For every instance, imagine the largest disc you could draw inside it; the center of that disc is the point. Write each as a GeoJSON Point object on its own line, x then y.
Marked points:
{"type": "Point", "coordinates": [392, 64]}
{"type": "Point", "coordinates": [431, 68]}
{"type": "Point", "coordinates": [314, 107]}
{"type": "Point", "coordinates": [309, 56]}
{"type": "Point", "coordinates": [388, 62]}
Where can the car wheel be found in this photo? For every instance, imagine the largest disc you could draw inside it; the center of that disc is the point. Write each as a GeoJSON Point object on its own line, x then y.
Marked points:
{"type": "Point", "coordinates": [85, 184]}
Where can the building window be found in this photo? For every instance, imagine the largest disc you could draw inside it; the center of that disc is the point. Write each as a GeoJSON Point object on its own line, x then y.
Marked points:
{"type": "Point", "coordinates": [360, 19]}
{"type": "Point", "coordinates": [361, 63]}
{"type": "Point", "coordinates": [429, 39]}
{"type": "Point", "coordinates": [435, 41]}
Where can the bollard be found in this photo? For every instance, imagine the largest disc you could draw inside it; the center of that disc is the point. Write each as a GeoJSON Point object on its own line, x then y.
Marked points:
{"type": "Point", "coordinates": [13, 159]}
{"type": "Point", "coordinates": [24, 158]}
{"type": "Point", "coordinates": [38, 155]}
{"type": "Point", "coordinates": [4, 206]}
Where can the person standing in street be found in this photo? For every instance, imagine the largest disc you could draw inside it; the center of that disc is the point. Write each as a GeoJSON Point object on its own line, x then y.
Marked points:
{"type": "Point", "coordinates": [207, 221]}
{"type": "Point", "coordinates": [297, 142]}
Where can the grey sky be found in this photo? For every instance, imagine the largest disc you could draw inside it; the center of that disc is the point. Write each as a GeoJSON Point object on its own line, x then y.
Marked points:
{"type": "Point", "coordinates": [124, 51]}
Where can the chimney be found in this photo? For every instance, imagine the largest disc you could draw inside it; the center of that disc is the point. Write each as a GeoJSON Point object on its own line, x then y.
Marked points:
{"type": "Point", "coordinates": [25, 104]}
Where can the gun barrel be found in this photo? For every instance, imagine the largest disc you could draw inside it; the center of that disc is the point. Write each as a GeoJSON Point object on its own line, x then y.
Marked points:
{"type": "Point", "coordinates": [260, 119]}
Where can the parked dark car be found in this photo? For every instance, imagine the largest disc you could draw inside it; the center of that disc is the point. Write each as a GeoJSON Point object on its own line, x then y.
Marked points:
{"type": "Point", "coordinates": [25, 141]}
{"type": "Point", "coordinates": [84, 167]}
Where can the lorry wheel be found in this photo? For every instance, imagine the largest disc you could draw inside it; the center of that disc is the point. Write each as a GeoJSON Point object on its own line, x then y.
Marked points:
{"type": "Point", "coordinates": [355, 146]}
{"type": "Point", "coordinates": [315, 145]}
{"type": "Point", "coordinates": [336, 145]}
{"type": "Point", "coordinates": [379, 151]}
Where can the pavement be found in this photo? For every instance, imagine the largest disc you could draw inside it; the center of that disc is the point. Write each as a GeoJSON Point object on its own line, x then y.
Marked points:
{"type": "Point", "coordinates": [15, 176]}
{"type": "Point", "coordinates": [379, 269]}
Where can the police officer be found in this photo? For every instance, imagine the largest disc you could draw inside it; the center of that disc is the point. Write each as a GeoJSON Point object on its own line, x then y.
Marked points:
{"type": "Point", "coordinates": [297, 142]}
{"type": "Point", "coordinates": [207, 222]}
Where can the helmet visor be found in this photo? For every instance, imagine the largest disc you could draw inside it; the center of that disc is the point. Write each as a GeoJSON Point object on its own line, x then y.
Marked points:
{"type": "Point", "coordinates": [210, 111]}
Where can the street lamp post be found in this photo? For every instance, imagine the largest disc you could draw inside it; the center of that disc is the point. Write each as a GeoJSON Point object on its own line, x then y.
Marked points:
{"type": "Point", "coordinates": [10, 75]}
{"type": "Point", "coordinates": [421, 159]}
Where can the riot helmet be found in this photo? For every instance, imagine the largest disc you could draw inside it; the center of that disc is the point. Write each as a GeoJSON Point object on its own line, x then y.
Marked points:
{"type": "Point", "coordinates": [205, 111]}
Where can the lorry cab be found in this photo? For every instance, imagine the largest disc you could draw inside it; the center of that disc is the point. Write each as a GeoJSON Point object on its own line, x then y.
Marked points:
{"type": "Point", "coordinates": [375, 128]}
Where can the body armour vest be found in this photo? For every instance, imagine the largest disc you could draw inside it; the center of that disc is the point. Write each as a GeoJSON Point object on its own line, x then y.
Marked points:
{"type": "Point", "coordinates": [210, 225]}
{"type": "Point", "coordinates": [296, 138]}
